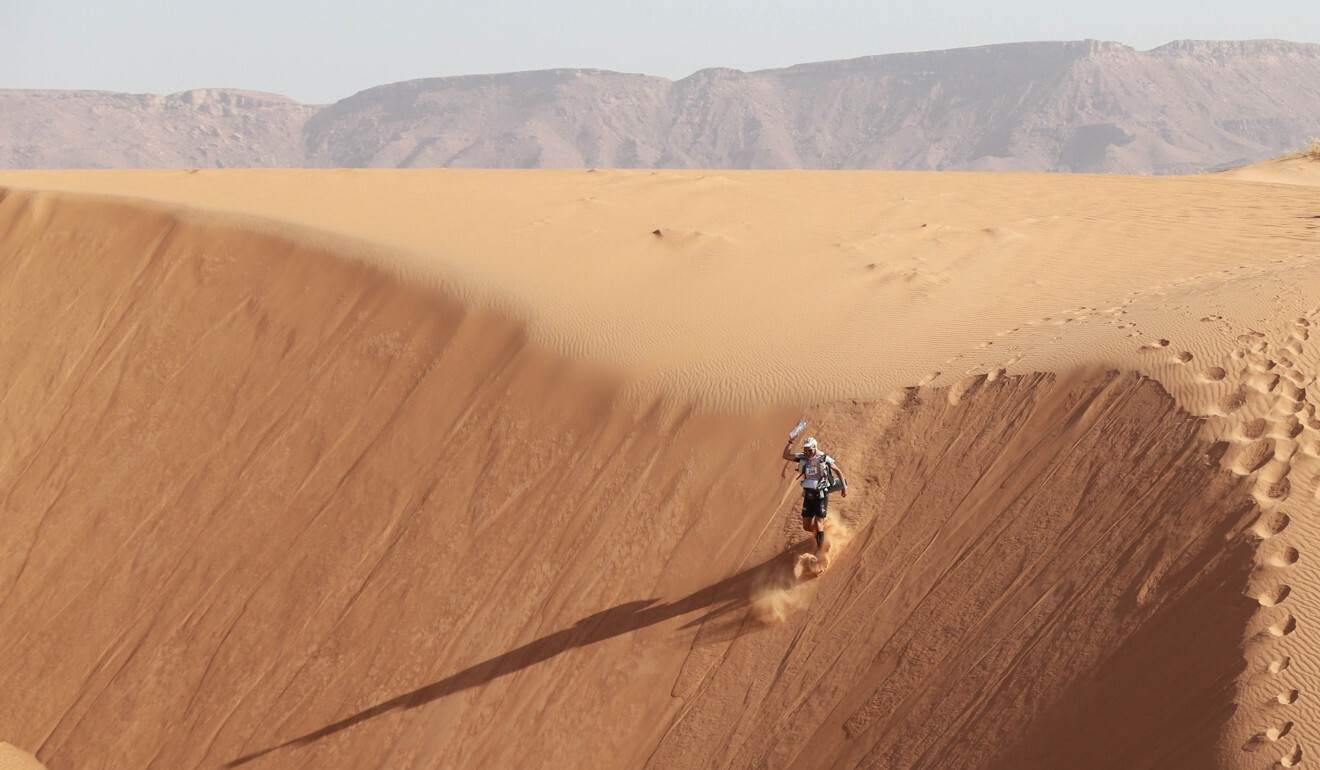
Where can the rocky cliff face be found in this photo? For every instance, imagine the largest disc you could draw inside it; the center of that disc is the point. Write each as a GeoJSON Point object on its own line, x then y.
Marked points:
{"type": "Point", "coordinates": [1070, 106]}
{"type": "Point", "coordinates": [96, 129]}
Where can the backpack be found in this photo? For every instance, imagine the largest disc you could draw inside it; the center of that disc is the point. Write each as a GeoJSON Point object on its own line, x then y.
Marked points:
{"type": "Point", "coordinates": [833, 482]}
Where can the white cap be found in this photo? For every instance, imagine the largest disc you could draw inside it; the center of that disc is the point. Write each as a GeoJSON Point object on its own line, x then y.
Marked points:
{"type": "Point", "coordinates": [809, 443]}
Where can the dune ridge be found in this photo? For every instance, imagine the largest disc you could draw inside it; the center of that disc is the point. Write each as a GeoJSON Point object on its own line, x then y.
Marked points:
{"type": "Point", "coordinates": [910, 269]}
{"type": "Point", "coordinates": [289, 506]}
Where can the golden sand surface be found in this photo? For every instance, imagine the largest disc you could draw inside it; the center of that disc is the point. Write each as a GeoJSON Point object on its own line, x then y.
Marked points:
{"type": "Point", "coordinates": [381, 468]}
{"type": "Point", "coordinates": [717, 285]}
{"type": "Point", "coordinates": [14, 758]}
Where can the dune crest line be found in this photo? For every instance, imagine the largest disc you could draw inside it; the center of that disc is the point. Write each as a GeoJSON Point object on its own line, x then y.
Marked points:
{"type": "Point", "coordinates": [286, 506]}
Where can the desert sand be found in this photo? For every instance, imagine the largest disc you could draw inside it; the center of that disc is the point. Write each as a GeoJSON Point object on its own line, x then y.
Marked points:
{"type": "Point", "coordinates": [13, 758]}
{"type": "Point", "coordinates": [379, 468]}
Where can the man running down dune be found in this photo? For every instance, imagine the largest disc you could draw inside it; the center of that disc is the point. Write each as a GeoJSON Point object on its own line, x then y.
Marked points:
{"type": "Point", "coordinates": [817, 471]}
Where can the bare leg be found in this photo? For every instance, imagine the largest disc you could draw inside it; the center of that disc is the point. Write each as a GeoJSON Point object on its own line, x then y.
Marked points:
{"type": "Point", "coordinates": [824, 541]}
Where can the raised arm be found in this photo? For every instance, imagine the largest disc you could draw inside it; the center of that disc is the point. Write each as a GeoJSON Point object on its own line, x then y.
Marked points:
{"type": "Point", "coordinates": [787, 454]}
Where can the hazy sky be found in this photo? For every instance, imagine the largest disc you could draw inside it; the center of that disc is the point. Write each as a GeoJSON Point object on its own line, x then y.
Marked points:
{"type": "Point", "coordinates": [325, 50]}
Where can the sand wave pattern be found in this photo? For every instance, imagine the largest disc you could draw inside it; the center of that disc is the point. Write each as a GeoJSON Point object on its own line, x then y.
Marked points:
{"type": "Point", "coordinates": [266, 507]}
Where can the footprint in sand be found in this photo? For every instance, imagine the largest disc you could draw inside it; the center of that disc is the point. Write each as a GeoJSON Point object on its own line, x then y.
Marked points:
{"type": "Point", "coordinates": [1274, 596]}
{"type": "Point", "coordinates": [1279, 490]}
{"type": "Point", "coordinates": [965, 387]}
{"type": "Point", "coordinates": [1183, 357]}
{"type": "Point", "coordinates": [1233, 401]}
{"type": "Point", "coordinates": [1287, 428]}
{"type": "Point", "coordinates": [1292, 758]}
{"type": "Point", "coordinates": [1271, 524]}
{"type": "Point", "coordinates": [1285, 557]}
{"type": "Point", "coordinates": [1254, 456]}
{"type": "Point", "coordinates": [1288, 697]}
{"type": "Point", "coordinates": [1264, 737]}
{"type": "Point", "coordinates": [1280, 665]}
{"type": "Point", "coordinates": [1213, 374]}
{"type": "Point", "coordinates": [1285, 626]}
{"type": "Point", "coordinates": [1263, 383]}
{"type": "Point", "coordinates": [1252, 429]}
{"type": "Point", "coordinates": [1260, 363]}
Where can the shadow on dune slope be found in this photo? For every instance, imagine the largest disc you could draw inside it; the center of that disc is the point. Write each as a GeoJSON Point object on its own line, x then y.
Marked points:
{"type": "Point", "coordinates": [731, 595]}
{"type": "Point", "coordinates": [269, 506]}
{"type": "Point", "coordinates": [1048, 573]}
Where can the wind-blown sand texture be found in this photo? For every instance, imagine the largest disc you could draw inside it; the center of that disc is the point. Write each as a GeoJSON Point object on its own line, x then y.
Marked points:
{"type": "Point", "coordinates": [480, 469]}
{"type": "Point", "coordinates": [12, 758]}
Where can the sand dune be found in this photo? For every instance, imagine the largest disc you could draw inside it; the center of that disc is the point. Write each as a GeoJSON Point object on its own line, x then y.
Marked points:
{"type": "Point", "coordinates": [12, 758]}
{"type": "Point", "coordinates": [909, 276]}
{"type": "Point", "coordinates": [479, 469]}
{"type": "Point", "coordinates": [1297, 169]}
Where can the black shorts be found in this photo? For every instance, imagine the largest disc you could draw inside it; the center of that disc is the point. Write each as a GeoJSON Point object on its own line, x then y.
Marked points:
{"type": "Point", "coordinates": [815, 503]}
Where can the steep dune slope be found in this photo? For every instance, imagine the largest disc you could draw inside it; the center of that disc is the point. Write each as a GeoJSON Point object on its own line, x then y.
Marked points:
{"type": "Point", "coordinates": [1015, 595]}
{"type": "Point", "coordinates": [229, 449]}
{"type": "Point", "coordinates": [12, 758]}
{"type": "Point", "coordinates": [271, 507]}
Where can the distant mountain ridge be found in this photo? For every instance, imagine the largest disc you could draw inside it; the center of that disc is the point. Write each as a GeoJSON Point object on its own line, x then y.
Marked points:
{"type": "Point", "coordinates": [1083, 106]}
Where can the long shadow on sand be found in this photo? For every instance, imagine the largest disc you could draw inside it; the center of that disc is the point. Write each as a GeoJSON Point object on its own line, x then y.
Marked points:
{"type": "Point", "coordinates": [727, 596]}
